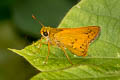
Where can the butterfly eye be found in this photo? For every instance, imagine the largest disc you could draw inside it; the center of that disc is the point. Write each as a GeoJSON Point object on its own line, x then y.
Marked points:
{"type": "Point", "coordinates": [45, 33]}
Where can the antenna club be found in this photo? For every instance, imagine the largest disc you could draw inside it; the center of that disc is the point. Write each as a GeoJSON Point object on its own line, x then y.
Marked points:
{"type": "Point", "coordinates": [33, 17]}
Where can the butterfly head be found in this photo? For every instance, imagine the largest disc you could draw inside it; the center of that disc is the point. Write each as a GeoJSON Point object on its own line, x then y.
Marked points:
{"type": "Point", "coordinates": [45, 31]}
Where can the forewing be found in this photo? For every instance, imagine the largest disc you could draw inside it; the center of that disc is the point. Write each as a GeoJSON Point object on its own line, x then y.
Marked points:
{"type": "Point", "coordinates": [77, 39]}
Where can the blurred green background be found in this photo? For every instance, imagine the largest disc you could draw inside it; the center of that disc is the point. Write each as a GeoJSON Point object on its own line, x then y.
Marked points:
{"type": "Point", "coordinates": [18, 29]}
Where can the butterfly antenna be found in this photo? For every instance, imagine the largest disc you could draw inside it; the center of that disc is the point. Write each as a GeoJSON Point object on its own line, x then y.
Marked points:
{"type": "Point", "coordinates": [37, 20]}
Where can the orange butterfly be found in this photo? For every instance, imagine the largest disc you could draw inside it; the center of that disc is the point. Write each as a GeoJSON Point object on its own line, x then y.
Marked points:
{"type": "Point", "coordinates": [76, 40]}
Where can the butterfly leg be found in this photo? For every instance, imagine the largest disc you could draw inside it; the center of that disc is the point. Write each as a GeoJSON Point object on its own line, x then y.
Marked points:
{"type": "Point", "coordinates": [48, 52]}
{"type": "Point", "coordinates": [66, 54]}
{"type": "Point", "coordinates": [39, 42]}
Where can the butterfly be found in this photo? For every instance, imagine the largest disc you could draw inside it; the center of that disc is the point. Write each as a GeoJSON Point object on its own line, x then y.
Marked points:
{"type": "Point", "coordinates": [77, 40]}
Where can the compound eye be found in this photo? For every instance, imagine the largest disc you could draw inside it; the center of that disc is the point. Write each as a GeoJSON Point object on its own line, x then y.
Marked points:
{"type": "Point", "coordinates": [45, 33]}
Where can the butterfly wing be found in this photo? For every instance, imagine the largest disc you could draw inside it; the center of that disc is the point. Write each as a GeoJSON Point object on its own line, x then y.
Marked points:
{"type": "Point", "coordinates": [77, 40]}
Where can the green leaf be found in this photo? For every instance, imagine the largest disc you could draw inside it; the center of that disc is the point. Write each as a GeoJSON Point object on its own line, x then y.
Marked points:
{"type": "Point", "coordinates": [103, 60]}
